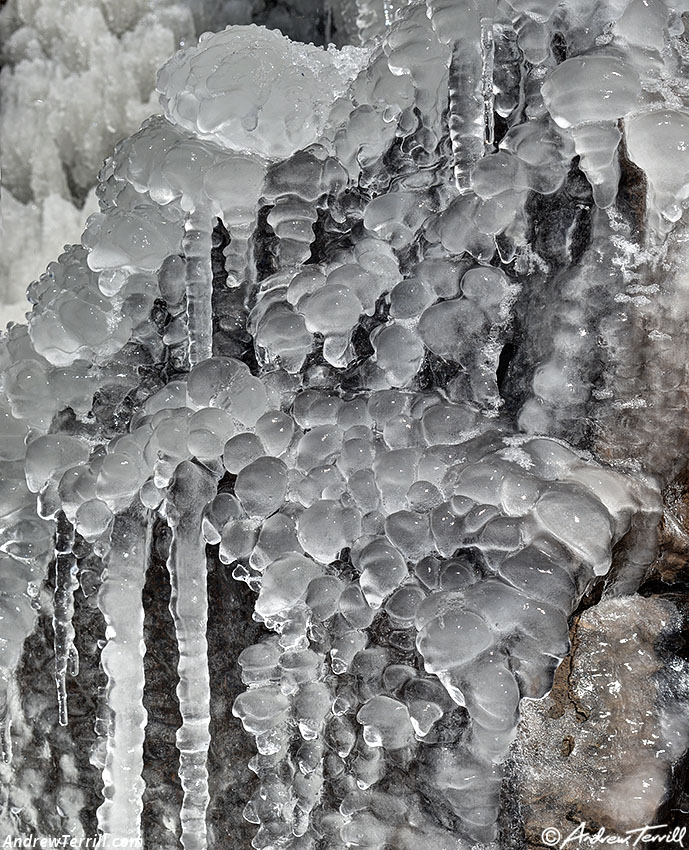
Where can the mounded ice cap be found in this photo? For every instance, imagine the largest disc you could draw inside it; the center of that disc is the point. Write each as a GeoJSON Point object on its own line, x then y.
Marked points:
{"type": "Point", "coordinates": [252, 89]}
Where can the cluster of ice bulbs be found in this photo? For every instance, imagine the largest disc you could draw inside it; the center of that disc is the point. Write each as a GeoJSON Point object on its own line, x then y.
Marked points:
{"type": "Point", "coordinates": [324, 327]}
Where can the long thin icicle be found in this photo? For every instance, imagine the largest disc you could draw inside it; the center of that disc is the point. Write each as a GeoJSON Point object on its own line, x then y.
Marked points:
{"type": "Point", "coordinates": [471, 121]}
{"type": "Point", "coordinates": [119, 816]}
{"type": "Point", "coordinates": [197, 244]}
{"type": "Point", "coordinates": [66, 657]}
{"type": "Point", "coordinates": [192, 487]}
{"type": "Point", "coordinates": [487, 70]}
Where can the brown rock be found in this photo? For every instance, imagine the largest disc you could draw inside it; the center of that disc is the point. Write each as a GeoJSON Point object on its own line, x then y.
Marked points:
{"type": "Point", "coordinates": [601, 747]}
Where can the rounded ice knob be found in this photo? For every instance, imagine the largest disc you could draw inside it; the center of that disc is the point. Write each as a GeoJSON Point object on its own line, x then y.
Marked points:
{"type": "Point", "coordinates": [658, 142]}
{"type": "Point", "coordinates": [588, 94]}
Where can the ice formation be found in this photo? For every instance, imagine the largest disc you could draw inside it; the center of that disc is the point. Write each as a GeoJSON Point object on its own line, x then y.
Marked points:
{"type": "Point", "coordinates": [306, 331]}
{"type": "Point", "coordinates": [103, 57]}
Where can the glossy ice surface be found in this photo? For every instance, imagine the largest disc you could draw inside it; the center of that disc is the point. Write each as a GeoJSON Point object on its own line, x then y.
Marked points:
{"type": "Point", "coordinates": [380, 330]}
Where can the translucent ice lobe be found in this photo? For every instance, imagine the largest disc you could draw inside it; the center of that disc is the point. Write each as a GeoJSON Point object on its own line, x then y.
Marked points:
{"type": "Point", "coordinates": [402, 518]}
{"type": "Point", "coordinates": [191, 489]}
{"type": "Point", "coordinates": [140, 238]}
{"type": "Point", "coordinates": [119, 816]}
{"type": "Point", "coordinates": [589, 89]}
{"type": "Point", "coordinates": [658, 142]}
{"type": "Point", "coordinates": [588, 94]}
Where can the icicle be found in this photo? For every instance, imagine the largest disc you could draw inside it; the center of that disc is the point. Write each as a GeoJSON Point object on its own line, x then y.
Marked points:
{"type": "Point", "coordinates": [470, 119]}
{"type": "Point", "coordinates": [487, 60]}
{"type": "Point", "coordinates": [6, 681]}
{"type": "Point", "coordinates": [191, 489]}
{"type": "Point", "coordinates": [66, 657]}
{"type": "Point", "coordinates": [238, 256]}
{"type": "Point", "coordinates": [196, 245]}
{"type": "Point", "coordinates": [119, 598]}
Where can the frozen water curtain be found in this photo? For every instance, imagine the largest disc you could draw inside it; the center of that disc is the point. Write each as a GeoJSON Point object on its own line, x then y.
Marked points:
{"type": "Point", "coordinates": [368, 377]}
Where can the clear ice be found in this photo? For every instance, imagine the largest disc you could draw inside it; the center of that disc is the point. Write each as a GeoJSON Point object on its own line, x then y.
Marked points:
{"type": "Point", "coordinates": [335, 325]}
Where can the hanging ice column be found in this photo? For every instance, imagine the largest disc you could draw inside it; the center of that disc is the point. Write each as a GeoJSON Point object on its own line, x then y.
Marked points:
{"type": "Point", "coordinates": [119, 816]}
{"type": "Point", "coordinates": [196, 245]}
{"type": "Point", "coordinates": [191, 488]}
{"type": "Point", "coordinates": [468, 28]}
{"type": "Point", "coordinates": [66, 657]}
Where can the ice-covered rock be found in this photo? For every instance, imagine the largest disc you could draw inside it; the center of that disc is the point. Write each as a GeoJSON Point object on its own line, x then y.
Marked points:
{"type": "Point", "coordinates": [370, 330]}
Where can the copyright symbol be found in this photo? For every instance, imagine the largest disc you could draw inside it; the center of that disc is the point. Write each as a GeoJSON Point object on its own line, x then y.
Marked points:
{"type": "Point", "coordinates": [551, 836]}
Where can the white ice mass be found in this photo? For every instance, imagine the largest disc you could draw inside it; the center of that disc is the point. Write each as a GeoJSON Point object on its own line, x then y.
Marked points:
{"type": "Point", "coordinates": [397, 334]}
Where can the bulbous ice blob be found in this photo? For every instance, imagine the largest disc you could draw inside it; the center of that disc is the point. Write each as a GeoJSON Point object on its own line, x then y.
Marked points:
{"type": "Point", "coordinates": [386, 723]}
{"type": "Point", "coordinates": [141, 238]}
{"type": "Point", "coordinates": [490, 691]}
{"type": "Point", "coordinates": [275, 430]}
{"type": "Point", "coordinates": [282, 334]}
{"type": "Point", "coordinates": [320, 445]}
{"type": "Point", "coordinates": [539, 577]}
{"type": "Point", "coordinates": [310, 707]}
{"type": "Point", "coordinates": [354, 607]}
{"type": "Point", "coordinates": [14, 432]}
{"type": "Point", "coordinates": [260, 662]}
{"type": "Point", "coordinates": [325, 528]}
{"type": "Point", "coordinates": [227, 383]}
{"type": "Point", "coordinates": [450, 424]}
{"type": "Point", "coordinates": [401, 607]}
{"type": "Point", "coordinates": [14, 493]}
{"type": "Point", "coordinates": [252, 89]}
{"type": "Point", "coordinates": [581, 522]}
{"type": "Point", "coordinates": [410, 533]}
{"type": "Point", "coordinates": [323, 596]}
{"type": "Point", "coordinates": [658, 142]}
{"type": "Point", "coordinates": [234, 183]}
{"type": "Point", "coordinates": [644, 24]}
{"type": "Point", "coordinates": [588, 89]}
{"type": "Point", "coordinates": [398, 352]}
{"type": "Point", "coordinates": [383, 569]}
{"type": "Point", "coordinates": [285, 583]}
{"type": "Point", "coordinates": [240, 451]}
{"type": "Point", "coordinates": [454, 637]}
{"type": "Point", "coordinates": [278, 536]}
{"type": "Point", "coordinates": [330, 310]}
{"type": "Point", "coordinates": [47, 456]}
{"type": "Point", "coordinates": [120, 477]}
{"type": "Point", "coordinates": [209, 430]}
{"type": "Point", "coordinates": [261, 708]}
{"type": "Point", "coordinates": [261, 486]}
{"type": "Point", "coordinates": [93, 519]}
